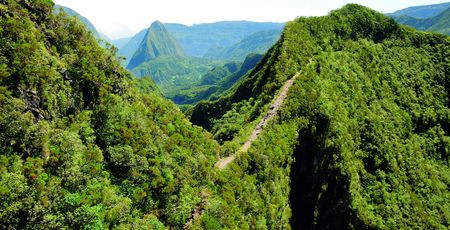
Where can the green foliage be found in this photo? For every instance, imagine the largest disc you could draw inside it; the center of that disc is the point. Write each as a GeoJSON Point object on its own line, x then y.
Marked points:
{"type": "Point", "coordinates": [85, 21]}
{"type": "Point", "coordinates": [84, 145]}
{"type": "Point", "coordinates": [362, 140]}
{"type": "Point", "coordinates": [172, 73]}
{"type": "Point", "coordinates": [214, 83]}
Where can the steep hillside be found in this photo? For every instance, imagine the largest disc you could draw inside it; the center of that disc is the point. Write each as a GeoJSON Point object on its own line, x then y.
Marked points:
{"type": "Point", "coordinates": [82, 145]}
{"type": "Point", "coordinates": [199, 38]}
{"type": "Point", "coordinates": [121, 42]}
{"type": "Point", "coordinates": [127, 51]}
{"type": "Point", "coordinates": [214, 83]}
{"type": "Point", "coordinates": [170, 73]}
{"type": "Point", "coordinates": [426, 11]}
{"type": "Point", "coordinates": [439, 23]}
{"type": "Point", "coordinates": [85, 21]}
{"type": "Point", "coordinates": [361, 141]}
{"type": "Point", "coordinates": [258, 43]}
{"type": "Point", "coordinates": [157, 42]}
{"type": "Point", "coordinates": [218, 73]}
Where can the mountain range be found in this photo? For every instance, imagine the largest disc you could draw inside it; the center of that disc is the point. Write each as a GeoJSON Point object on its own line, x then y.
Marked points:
{"type": "Point", "coordinates": [434, 18]}
{"type": "Point", "coordinates": [161, 56]}
{"type": "Point", "coordinates": [199, 38]}
{"type": "Point", "coordinates": [426, 11]}
{"type": "Point", "coordinates": [209, 38]}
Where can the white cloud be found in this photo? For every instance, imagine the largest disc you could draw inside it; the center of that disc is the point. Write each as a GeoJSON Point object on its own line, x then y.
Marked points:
{"type": "Point", "coordinates": [120, 18]}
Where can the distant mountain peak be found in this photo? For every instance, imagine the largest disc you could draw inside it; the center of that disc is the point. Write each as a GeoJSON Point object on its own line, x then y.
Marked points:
{"type": "Point", "coordinates": [157, 23]}
{"type": "Point", "coordinates": [157, 42]}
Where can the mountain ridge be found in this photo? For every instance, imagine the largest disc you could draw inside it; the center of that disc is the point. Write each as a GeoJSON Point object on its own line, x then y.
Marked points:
{"type": "Point", "coordinates": [84, 20]}
{"type": "Point", "coordinates": [258, 42]}
{"type": "Point", "coordinates": [354, 136]}
{"type": "Point", "coordinates": [425, 11]}
{"type": "Point", "coordinates": [439, 23]}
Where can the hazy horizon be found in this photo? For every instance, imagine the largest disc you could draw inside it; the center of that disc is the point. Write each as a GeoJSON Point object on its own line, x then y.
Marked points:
{"type": "Point", "coordinates": [117, 19]}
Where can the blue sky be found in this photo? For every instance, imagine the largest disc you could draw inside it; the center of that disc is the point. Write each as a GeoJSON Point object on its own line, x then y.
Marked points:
{"type": "Point", "coordinates": [122, 18]}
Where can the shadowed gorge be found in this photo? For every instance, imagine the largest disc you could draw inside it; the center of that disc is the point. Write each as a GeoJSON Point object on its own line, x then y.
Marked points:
{"type": "Point", "coordinates": [318, 196]}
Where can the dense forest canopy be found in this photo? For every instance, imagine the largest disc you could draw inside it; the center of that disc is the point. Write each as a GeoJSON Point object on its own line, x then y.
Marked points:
{"type": "Point", "coordinates": [360, 142]}
{"type": "Point", "coordinates": [85, 21]}
{"type": "Point", "coordinates": [83, 144]}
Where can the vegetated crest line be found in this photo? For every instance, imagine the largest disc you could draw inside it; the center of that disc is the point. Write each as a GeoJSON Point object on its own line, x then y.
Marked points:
{"type": "Point", "coordinates": [273, 110]}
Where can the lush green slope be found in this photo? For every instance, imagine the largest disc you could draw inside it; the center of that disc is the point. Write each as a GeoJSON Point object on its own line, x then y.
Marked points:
{"type": "Point", "coordinates": [157, 42]}
{"type": "Point", "coordinates": [80, 146]}
{"type": "Point", "coordinates": [362, 141]}
{"type": "Point", "coordinates": [218, 73]}
{"type": "Point", "coordinates": [214, 83]}
{"type": "Point", "coordinates": [196, 40]}
{"type": "Point", "coordinates": [427, 11]}
{"type": "Point", "coordinates": [258, 42]}
{"type": "Point", "coordinates": [439, 23]}
{"type": "Point", "coordinates": [172, 72]}
{"type": "Point", "coordinates": [85, 21]}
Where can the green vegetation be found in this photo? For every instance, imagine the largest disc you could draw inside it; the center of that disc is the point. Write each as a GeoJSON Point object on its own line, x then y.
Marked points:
{"type": "Point", "coordinates": [258, 42]}
{"type": "Point", "coordinates": [362, 141]}
{"type": "Point", "coordinates": [214, 83]}
{"type": "Point", "coordinates": [171, 73]}
{"type": "Point", "coordinates": [157, 42]}
{"type": "Point", "coordinates": [187, 80]}
{"type": "Point", "coordinates": [80, 145]}
{"type": "Point", "coordinates": [85, 21]}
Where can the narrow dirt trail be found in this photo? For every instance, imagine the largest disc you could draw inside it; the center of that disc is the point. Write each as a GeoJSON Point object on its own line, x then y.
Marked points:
{"type": "Point", "coordinates": [273, 110]}
{"type": "Point", "coordinates": [198, 210]}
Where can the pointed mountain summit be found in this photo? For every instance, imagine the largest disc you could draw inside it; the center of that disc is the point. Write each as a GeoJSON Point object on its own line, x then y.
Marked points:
{"type": "Point", "coordinates": [157, 42]}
